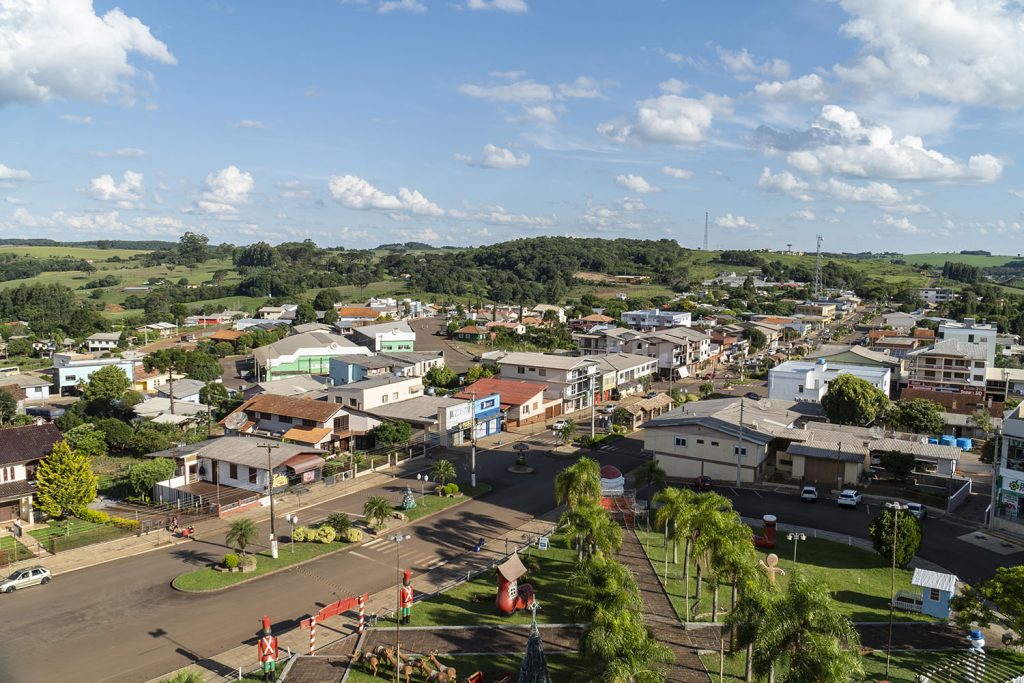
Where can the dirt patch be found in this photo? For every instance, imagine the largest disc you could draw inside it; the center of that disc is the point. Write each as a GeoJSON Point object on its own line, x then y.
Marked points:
{"type": "Point", "coordinates": [113, 308]}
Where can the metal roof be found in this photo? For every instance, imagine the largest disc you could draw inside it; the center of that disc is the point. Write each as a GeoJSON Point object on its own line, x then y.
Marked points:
{"type": "Point", "coordinates": [929, 579]}
{"type": "Point", "coordinates": [241, 450]}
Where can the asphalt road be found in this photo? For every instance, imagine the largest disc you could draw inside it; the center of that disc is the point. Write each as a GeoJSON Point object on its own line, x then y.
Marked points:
{"type": "Point", "coordinates": [122, 621]}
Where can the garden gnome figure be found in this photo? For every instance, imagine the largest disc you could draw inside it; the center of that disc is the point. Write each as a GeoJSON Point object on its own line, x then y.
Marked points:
{"type": "Point", "coordinates": [405, 597]}
{"type": "Point", "coordinates": [772, 568]}
{"type": "Point", "coordinates": [266, 649]}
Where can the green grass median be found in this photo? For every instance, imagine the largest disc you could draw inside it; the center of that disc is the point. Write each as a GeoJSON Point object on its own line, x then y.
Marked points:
{"type": "Point", "coordinates": [430, 503]}
{"type": "Point", "coordinates": [209, 579]}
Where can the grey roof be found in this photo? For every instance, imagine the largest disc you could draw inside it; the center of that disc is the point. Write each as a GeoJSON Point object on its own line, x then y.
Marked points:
{"type": "Point", "coordinates": [104, 336]}
{"type": "Point", "coordinates": [24, 381]}
{"type": "Point", "coordinates": [866, 354]}
{"type": "Point", "coordinates": [311, 327]}
{"type": "Point", "coordinates": [156, 406]}
{"type": "Point", "coordinates": [421, 410]}
{"type": "Point", "coordinates": [182, 388]}
{"type": "Point", "coordinates": [381, 328]}
{"type": "Point", "coordinates": [410, 357]}
{"type": "Point", "coordinates": [613, 362]}
{"type": "Point", "coordinates": [372, 382]}
{"type": "Point", "coordinates": [938, 580]}
{"type": "Point", "coordinates": [292, 386]}
{"type": "Point", "coordinates": [760, 418]}
{"type": "Point", "coordinates": [241, 450]}
{"type": "Point", "coordinates": [916, 448]}
{"type": "Point", "coordinates": [958, 420]}
{"type": "Point", "coordinates": [546, 360]}
{"type": "Point", "coordinates": [289, 345]}
{"type": "Point", "coordinates": [954, 347]}
{"type": "Point", "coordinates": [676, 335]}
{"type": "Point", "coordinates": [373, 362]}
{"type": "Point", "coordinates": [841, 452]}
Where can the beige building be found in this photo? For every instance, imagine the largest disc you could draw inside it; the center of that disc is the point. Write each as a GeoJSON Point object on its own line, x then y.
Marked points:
{"type": "Point", "coordinates": [827, 311]}
{"type": "Point", "coordinates": [574, 379]}
{"type": "Point", "coordinates": [949, 365]}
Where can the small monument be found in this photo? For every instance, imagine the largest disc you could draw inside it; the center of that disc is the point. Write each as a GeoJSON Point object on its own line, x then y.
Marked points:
{"type": "Point", "coordinates": [511, 596]}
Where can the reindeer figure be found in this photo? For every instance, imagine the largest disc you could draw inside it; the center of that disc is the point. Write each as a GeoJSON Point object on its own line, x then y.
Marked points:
{"type": "Point", "coordinates": [441, 668]}
{"type": "Point", "coordinates": [423, 664]}
{"type": "Point", "coordinates": [398, 665]}
{"type": "Point", "coordinates": [369, 660]}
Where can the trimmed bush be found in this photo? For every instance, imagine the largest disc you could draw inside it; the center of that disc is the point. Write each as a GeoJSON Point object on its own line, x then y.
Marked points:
{"type": "Point", "coordinates": [122, 523]}
{"type": "Point", "coordinates": [353, 535]}
{"type": "Point", "coordinates": [340, 522]}
{"type": "Point", "coordinates": [325, 534]}
{"type": "Point", "coordinates": [302, 534]}
{"type": "Point", "coordinates": [94, 516]}
{"type": "Point", "coordinates": [231, 561]}
{"type": "Point", "coordinates": [451, 489]}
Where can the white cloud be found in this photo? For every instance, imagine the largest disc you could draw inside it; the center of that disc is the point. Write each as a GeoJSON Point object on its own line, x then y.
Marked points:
{"type": "Point", "coordinates": [497, 157]}
{"type": "Point", "coordinates": [539, 114]}
{"type": "Point", "coordinates": [965, 51]}
{"type": "Point", "coordinates": [730, 222]}
{"type": "Point", "coordinates": [744, 65]}
{"type": "Point", "coordinates": [62, 49]}
{"type": "Point", "coordinates": [122, 152]}
{"type": "Point", "coordinates": [11, 174]}
{"type": "Point", "coordinates": [606, 218]}
{"type": "Point", "coordinates": [784, 182]}
{"type": "Point", "coordinates": [873, 192]}
{"type": "Point", "coordinates": [840, 143]}
{"type": "Point", "coordinates": [513, 6]}
{"type": "Point", "coordinates": [582, 88]}
{"type": "Point", "coordinates": [353, 192]}
{"type": "Point", "coordinates": [803, 215]}
{"type": "Point", "coordinates": [673, 57]}
{"type": "Point", "coordinates": [1016, 193]}
{"type": "Point", "coordinates": [808, 88]}
{"type": "Point", "coordinates": [424, 235]}
{"type": "Point", "coordinates": [246, 123]}
{"type": "Point", "coordinates": [14, 200]}
{"type": "Point", "coordinates": [677, 173]}
{"type": "Point", "coordinates": [108, 223]}
{"type": "Point", "coordinates": [348, 233]}
{"type": "Point", "coordinates": [902, 224]}
{"type": "Point", "coordinates": [126, 195]}
{"type": "Point", "coordinates": [414, 6]}
{"type": "Point", "coordinates": [75, 118]}
{"type": "Point", "coordinates": [669, 119]}
{"type": "Point", "coordinates": [636, 183]}
{"type": "Point", "coordinates": [225, 191]}
{"type": "Point", "coordinates": [519, 92]}
{"type": "Point", "coordinates": [294, 189]}
{"type": "Point", "coordinates": [673, 86]}
{"type": "Point", "coordinates": [497, 215]}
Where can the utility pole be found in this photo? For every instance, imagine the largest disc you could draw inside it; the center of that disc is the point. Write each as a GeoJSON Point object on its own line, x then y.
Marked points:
{"type": "Point", "coordinates": [270, 492]}
{"type": "Point", "coordinates": [592, 408]}
{"type": "Point", "coordinates": [472, 452]}
{"type": "Point", "coordinates": [817, 271]}
{"type": "Point", "coordinates": [706, 230]}
{"type": "Point", "coordinates": [739, 449]}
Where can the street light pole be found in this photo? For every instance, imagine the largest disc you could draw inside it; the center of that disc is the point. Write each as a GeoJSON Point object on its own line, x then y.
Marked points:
{"type": "Point", "coordinates": [398, 540]}
{"type": "Point", "coordinates": [472, 456]}
{"type": "Point", "coordinates": [270, 492]}
{"type": "Point", "coordinates": [739, 450]}
{"type": "Point", "coordinates": [424, 478]}
{"type": "Point", "coordinates": [796, 538]}
{"type": "Point", "coordinates": [293, 520]}
{"type": "Point", "coordinates": [896, 507]}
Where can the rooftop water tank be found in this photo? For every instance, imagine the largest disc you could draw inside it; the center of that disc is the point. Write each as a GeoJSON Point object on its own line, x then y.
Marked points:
{"type": "Point", "coordinates": [947, 440]}
{"type": "Point", "coordinates": [964, 444]}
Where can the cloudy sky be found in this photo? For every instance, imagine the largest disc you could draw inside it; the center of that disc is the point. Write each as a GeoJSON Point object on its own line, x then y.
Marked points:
{"type": "Point", "coordinates": [880, 125]}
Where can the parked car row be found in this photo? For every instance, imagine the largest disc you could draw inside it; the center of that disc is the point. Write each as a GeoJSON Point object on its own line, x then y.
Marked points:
{"type": "Point", "coordinates": [852, 498]}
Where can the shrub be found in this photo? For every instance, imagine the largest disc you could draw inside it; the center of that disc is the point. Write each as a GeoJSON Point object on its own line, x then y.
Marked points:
{"type": "Point", "coordinates": [301, 534]}
{"type": "Point", "coordinates": [340, 522]}
{"type": "Point", "coordinates": [94, 516]}
{"type": "Point", "coordinates": [122, 523]}
{"type": "Point", "coordinates": [325, 534]}
{"type": "Point", "coordinates": [451, 489]}
{"type": "Point", "coordinates": [231, 561]}
{"type": "Point", "coordinates": [332, 467]}
{"type": "Point", "coordinates": [353, 535]}
{"type": "Point", "coordinates": [247, 561]}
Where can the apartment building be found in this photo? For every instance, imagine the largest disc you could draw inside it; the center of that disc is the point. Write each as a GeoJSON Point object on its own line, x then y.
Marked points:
{"type": "Point", "coordinates": [797, 380]}
{"type": "Point", "coordinates": [623, 374]}
{"type": "Point", "coordinates": [1009, 503]}
{"type": "Point", "coordinates": [933, 296]}
{"type": "Point", "coordinates": [950, 365]}
{"type": "Point", "coordinates": [574, 379]}
{"type": "Point", "coordinates": [655, 318]}
{"type": "Point", "coordinates": [102, 341]}
{"type": "Point", "coordinates": [971, 331]}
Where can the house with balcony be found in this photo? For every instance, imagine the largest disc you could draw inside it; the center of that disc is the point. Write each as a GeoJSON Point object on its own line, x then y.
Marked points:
{"type": "Point", "coordinates": [895, 346]}
{"type": "Point", "coordinates": [522, 402]}
{"type": "Point", "coordinates": [950, 365]}
{"type": "Point", "coordinates": [656, 318]}
{"type": "Point", "coordinates": [309, 353]}
{"type": "Point", "coordinates": [623, 374]}
{"type": "Point", "coordinates": [102, 342]}
{"type": "Point", "coordinates": [970, 331]}
{"type": "Point", "coordinates": [573, 379]}
{"type": "Point", "coordinates": [934, 296]}
{"type": "Point", "coordinates": [350, 369]}
{"type": "Point", "coordinates": [294, 419]}
{"type": "Point", "coordinates": [824, 309]}
{"type": "Point", "coordinates": [589, 322]}
{"type": "Point", "coordinates": [394, 335]}
{"type": "Point", "coordinates": [21, 451]}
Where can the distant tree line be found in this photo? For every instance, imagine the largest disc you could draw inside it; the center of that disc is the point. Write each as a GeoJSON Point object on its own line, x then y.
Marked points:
{"type": "Point", "coordinates": [961, 272]}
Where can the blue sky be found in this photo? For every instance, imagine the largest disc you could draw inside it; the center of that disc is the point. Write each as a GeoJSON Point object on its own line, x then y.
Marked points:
{"type": "Point", "coordinates": [879, 125]}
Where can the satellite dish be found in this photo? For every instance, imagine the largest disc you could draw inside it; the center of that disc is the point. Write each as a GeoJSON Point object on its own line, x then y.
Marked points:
{"type": "Point", "coordinates": [236, 420]}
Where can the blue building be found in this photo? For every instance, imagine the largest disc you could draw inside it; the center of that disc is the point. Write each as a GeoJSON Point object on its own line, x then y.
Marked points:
{"type": "Point", "coordinates": [488, 415]}
{"type": "Point", "coordinates": [937, 589]}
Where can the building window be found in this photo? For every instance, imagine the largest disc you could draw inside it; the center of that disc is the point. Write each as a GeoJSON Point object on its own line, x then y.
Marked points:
{"type": "Point", "coordinates": [739, 450]}
{"type": "Point", "coordinates": [252, 475]}
{"type": "Point", "coordinates": [233, 471]}
{"type": "Point", "coordinates": [394, 396]}
{"type": "Point", "coordinates": [800, 389]}
{"type": "Point", "coordinates": [933, 594]}
{"type": "Point", "coordinates": [714, 443]}
{"type": "Point", "coordinates": [352, 402]}
{"type": "Point", "coordinates": [681, 442]}
{"type": "Point", "coordinates": [700, 441]}
{"type": "Point", "coordinates": [521, 370]}
{"type": "Point", "coordinates": [542, 372]}
{"type": "Point", "coordinates": [384, 398]}
{"type": "Point", "coordinates": [285, 419]}
{"type": "Point", "coordinates": [341, 423]}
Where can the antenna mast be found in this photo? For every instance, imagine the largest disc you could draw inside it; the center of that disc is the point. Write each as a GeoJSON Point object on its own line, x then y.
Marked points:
{"type": "Point", "coordinates": [817, 271]}
{"type": "Point", "coordinates": [705, 231]}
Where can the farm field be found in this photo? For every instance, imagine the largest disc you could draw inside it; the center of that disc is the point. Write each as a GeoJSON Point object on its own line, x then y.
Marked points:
{"type": "Point", "coordinates": [939, 258]}
{"type": "Point", "coordinates": [91, 253]}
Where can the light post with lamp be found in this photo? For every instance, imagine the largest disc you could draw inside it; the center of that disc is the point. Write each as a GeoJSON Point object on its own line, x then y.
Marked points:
{"type": "Point", "coordinates": [398, 539]}
{"type": "Point", "coordinates": [423, 479]}
{"type": "Point", "coordinates": [293, 520]}
{"type": "Point", "coordinates": [796, 538]}
{"type": "Point", "coordinates": [895, 507]}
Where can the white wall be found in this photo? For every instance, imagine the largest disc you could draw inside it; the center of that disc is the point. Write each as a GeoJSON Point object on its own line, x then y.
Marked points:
{"type": "Point", "coordinates": [715, 457]}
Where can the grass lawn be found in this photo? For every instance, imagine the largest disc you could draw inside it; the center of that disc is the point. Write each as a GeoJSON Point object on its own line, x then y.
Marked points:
{"type": "Point", "coordinates": [14, 549]}
{"type": "Point", "coordinates": [561, 666]}
{"type": "Point", "coordinates": [903, 667]}
{"type": "Point", "coordinates": [859, 579]}
{"type": "Point", "coordinates": [207, 578]}
{"type": "Point", "coordinates": [472, 603]}
{"type": "Point", "coordinates": [80, 534]}
{"type": "Point", "coordinates": [91, 253]}
{"type": "Point", "coordinates": [430, 503]}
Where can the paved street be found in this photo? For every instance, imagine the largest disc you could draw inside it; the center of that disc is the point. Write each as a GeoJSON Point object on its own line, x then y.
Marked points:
{"type": "Point", "coordinates": [122, 621]}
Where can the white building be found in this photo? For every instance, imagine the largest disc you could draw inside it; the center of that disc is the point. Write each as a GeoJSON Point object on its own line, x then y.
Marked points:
{"type": "Point", "coordinates": [1009, 507]}
{"type": "Point", "coordinates": [797, 380]}
{"type": "Point", "coordinates": [655, 318]}
{"type": "Point", "coordinates": [934, 296]}
{"type": "Point", "coordinates": [574, 379]}
{"type": "Point", "coordinates": [102, 341]}
{"type": "Point", "coordinates": [972, 332]}
{"type": "Point", "coordinates": [390, 336]}
{"type": "Point", "coordinates": [72, 369]}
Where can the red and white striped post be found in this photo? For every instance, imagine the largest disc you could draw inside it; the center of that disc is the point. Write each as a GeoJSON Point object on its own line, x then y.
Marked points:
{"type": "Point", "coordinates": [312, 637]}
{"type": "Point", "coordinates": [362, 625]}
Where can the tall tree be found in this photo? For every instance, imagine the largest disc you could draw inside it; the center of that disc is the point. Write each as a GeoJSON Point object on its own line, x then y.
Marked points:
{"type": "Point", "coordinates": [589, 530]}
{"type": "Point", "coordinates": [144, 475]}
{"type": "Point", "coordinates": [170, 361]}
{"type": "Point", "coordinates": [64, 482]}
{"type": "Point", "coordinates": [87, 439]}
{"type": "Point", "coordinates": [1003, 593]}
{"type": "Point", "coordinates": [917, 415]}
{"type": "Point", "coordinates": [579, 484]}
{"type": "Point", "coordinates": [907, 531]}
{"type": "Point", "coordinates": [106, 384]}
{"type": "Point", "coordinates": [854, 401]}
{"type": "Point", "coordinates": [649, 473]}
{"type": "Point", "coordinates": [8, 407]}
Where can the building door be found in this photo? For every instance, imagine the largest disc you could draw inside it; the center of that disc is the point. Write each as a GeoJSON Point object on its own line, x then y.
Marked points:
{"type": "Point", "coordinates": [823, 472]}
{"type": "Point", "coordinates": [8, 511]}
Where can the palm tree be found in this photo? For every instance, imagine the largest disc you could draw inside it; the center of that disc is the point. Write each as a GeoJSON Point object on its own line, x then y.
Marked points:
{"type": "Point", "coordinates": [675, 516]}
{"type": "Point", "coordinates": [649, 474]}
{"type": "Point", "coordinates": [619, 649]}
{"type": "Point", "coordinates": [713, 514]}
{"type": "Point", "coordinates": [801, 632]}
{"type": "Point", "coordinates": [579, 483]}
{"type": "Point", "coordinates": [241, 534]}
{"type": "Point", "coordinates": [442, 471]}
{"type": "Point", "coordinates": [590, 530]}
{"type": "Point", "coordinates": [567, 432]}
{"type": "Point", "coordinates": [732, 556]}
{"type": "Point", "coordinates": [604, 582]}
{"type": "Point", "coordinates": [744, 619]}
{"type": "Point", "coordinates": [376, 510]}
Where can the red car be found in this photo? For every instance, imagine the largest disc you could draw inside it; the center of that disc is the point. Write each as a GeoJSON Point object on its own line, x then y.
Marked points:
{"type": "Point", "coordinates": [703, 483]}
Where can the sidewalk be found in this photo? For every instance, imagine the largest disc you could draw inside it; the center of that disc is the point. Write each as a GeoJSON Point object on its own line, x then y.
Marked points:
{"type": "Point", "coordinates": [332, 632]}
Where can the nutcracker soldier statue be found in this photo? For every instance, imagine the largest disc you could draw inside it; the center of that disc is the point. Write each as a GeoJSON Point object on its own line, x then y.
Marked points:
{"type": "Point", "coordinates": [405, 597]}
{"type": "Point", "coordinates": [266, 649]}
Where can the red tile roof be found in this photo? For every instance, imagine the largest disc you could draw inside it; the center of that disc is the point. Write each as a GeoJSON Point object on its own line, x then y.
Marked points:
{"type": "Point", "coordinates": [513, 392]}
{"type": "Point", "coordinates": [357, 312]}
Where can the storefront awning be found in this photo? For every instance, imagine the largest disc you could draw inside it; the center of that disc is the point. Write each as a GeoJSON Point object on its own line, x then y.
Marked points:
{"type": "Point", "coordinates": [303, 462]}
{"type": "Point", "coordinates": [310, 435]}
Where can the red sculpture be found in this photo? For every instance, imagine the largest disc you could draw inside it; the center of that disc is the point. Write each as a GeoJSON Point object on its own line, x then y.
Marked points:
{"type": "Point", "coordinates": [266, 651]}
{"type": "Point", "coordinates": [405, 597]}
{"type": "Point", "coordinates": [511, 596]}
{"type": "Point", "coordinates": [767, 538]}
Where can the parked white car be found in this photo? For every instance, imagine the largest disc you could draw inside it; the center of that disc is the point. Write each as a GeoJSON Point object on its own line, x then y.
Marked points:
{"type": "Point", "coordinates": [919, 511]}
{"type": "Point", "coordinates": [23, 578]}
{"type": "Point", "coordinates": [849, 498]}
{"type": "Point", "coordinates": [809, 494]}
{"type": "Point", "coordinates": [558, 425]}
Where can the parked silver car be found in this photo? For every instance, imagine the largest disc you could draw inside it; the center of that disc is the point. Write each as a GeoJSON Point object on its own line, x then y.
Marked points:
{"type": "Point", "coordinates": [23, 578]}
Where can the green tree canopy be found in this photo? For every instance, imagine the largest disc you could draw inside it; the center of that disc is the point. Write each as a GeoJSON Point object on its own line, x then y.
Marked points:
{"type": "Point", "coordinates": [479, 372]}
{"type": "Point", "coordinates": [326, 299]}
{"type": "Point", "coordinates": [8, 407]}
{"type": "Point", "coordinates": [579, 484]}
{"type": "Point", "coordinates": [853, 401]}
{"type": "Point", "coordinates": [758, 340]}
{"type": "Point", "coordinates": [1003, 593]}
{"type": "Point", "coordinates": [898, 465]}
{"type": "Point", "coordinates": [87, 439]}
{"type": "Point", "coordinates": [144, 475]}
{"type": "Point", "coordinates": [376, 510]}
{"type": "Point", "coordinates": [201, 366]}
{"type": "Point", "coordinates": [907, 531]}
{"type": "Point", "coordinates": [917, 415]}
{"type": "Point", "coordinates": [64, 482]}
{"type": "Point", "coordinates": [390, 433]}
{"type": "Point", "coordinates": [241, 534]}
{"type": "Point", "coordinates": [117, 433]}
{"type": "Point", "coordinates": [442, 471]}
{"type": "Point", "coordinates": [107, 384]}
{"type": "Point", "coordinates": [304, 313]}
{"type": "Point", "coordinates": [440, 376]}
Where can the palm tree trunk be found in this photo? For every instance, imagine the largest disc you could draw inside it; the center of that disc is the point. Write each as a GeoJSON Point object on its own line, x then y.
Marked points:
{"type": "Point", "coordinates": [697, 590]}
{"type": "Point", "coordinates": [714, 601]}
{"type": "Point", "coordinates": [170, 383]}
{"type": "Point", "coordinates": [748, 668]}
{"type": "Point", "coordinates": [771, 673]}
{"type": "Point", "coordinates": [686, 579]}
{"type": "Point", "coordinates": [732, 609]}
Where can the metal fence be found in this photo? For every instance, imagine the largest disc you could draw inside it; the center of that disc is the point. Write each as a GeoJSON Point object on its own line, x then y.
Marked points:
{"type": "Point", "coordinates": [959, 497]}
